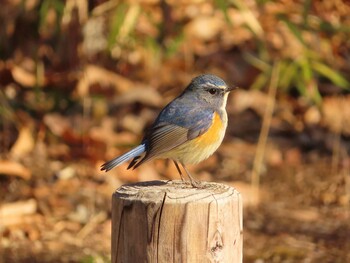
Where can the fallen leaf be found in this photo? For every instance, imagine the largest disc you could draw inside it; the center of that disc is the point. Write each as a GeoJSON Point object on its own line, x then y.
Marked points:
{"type": "Point", "coordinates": [23, 77]}
{"type": "Point", "coordinates": [92, 224]}
{"type": "Point", "coordinates": [144, 95]}
{"type": "Point", "coordinates": [24, 143]}
{"type": "Point", "coordinates": [56, 123]}
{"type": "Point", "coordinates": [273, 156]}
{"type": "Point", "coordinates": [19, 208]}
{"type": "Point", "coordinates": [250, 195]}
{"type": "Point", "coordinates": [336, 114]}
{"type": "Point", "coordinates": [28, 72]}
{"type": "Point", "coordinates": [312, 116]}
{"type": "Point", "coordinates": [97, 75]}
{"type": "Point", "coordinates": [293, 156]}
{"type": "Point", "coordinates": [305, 215]}
{"type": "Point", "coordinates": [134, 123]}
{"type": "Point", "coordinates": [204, 27]}
{"type": "Point", "coordinates": [105, 133]}
{"type": "Point", "coordinates": [32, 219]}
{"type": "Point", "coordinates": [252, 99]}
{"type": "Point", "coordinates": [15, 169]}
{"type": "Point", "coordinates": [66, 173]}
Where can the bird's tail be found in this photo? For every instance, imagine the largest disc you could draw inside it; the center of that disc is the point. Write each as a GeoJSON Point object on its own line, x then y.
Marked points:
{"type": "Point", "coordinates": [137, 151]}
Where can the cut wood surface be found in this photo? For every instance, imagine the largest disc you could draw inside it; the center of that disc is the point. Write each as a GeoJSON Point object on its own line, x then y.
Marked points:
{"type": "Point", "coordinates": [170, 221]}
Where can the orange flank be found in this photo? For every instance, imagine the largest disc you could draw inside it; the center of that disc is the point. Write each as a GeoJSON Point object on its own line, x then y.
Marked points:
{"type": "Point", "coordinates": [212, 135]}
{"type": "Point", "coordinates": [200, 148]}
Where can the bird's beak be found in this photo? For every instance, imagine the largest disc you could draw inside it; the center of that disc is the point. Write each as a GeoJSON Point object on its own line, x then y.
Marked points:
{"type": "Point", "coordinates": [228, 89]}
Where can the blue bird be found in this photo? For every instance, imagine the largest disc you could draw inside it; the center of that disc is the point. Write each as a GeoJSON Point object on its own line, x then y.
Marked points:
{"type": "Point", "coordinates": [188, 130]}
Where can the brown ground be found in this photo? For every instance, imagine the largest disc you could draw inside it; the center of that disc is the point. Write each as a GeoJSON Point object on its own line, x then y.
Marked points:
{"type": "Point", "coordinates": [302, 215]}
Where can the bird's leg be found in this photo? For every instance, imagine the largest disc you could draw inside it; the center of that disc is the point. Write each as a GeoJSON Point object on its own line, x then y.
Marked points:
{"type": "Point", "coordinates": [178, 169]}
{"type": "Point", "coordinates": [194, 183]}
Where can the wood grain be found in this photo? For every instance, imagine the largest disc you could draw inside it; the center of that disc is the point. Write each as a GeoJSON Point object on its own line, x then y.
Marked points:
{"type": "Point", "coordinates": [170, 221]}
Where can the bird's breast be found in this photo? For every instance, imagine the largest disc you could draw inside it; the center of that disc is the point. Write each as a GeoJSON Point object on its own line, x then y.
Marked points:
{"type": "Point", "coordinates": [214, 135]}
{"type": "Point", "coordinates": [203, 146]}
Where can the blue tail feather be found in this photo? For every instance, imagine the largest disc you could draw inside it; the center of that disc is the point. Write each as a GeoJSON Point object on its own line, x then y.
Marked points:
{"type": "Point", "coordinates": [123, 158]}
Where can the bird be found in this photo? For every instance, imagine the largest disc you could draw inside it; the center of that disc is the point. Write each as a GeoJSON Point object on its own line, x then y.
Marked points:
{"type": "Point", "coordinates": [187, 130]}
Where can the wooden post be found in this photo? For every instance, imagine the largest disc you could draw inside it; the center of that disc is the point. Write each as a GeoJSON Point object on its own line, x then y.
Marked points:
{"type": "Point", "coordinates": [170, 221]}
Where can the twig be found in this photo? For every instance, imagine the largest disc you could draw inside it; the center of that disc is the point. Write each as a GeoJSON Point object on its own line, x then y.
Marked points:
{"type": "Point", "coordinates": [259, 155]}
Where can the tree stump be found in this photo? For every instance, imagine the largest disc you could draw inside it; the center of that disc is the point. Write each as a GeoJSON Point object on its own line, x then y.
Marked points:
{"type": "Point", "coordinates": [170, 221]}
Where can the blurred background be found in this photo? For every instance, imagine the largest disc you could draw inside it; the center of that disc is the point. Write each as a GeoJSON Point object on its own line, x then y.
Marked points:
{"type": "Point", "coordinates": [81, 80]}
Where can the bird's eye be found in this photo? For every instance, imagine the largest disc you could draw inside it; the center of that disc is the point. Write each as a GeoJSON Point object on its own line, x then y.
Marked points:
{"type": "Point", "coordinates": [212, 91]}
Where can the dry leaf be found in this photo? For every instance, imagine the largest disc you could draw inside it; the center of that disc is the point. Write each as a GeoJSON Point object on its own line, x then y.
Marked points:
{"type": "Point", "coordinates": [305, 215]}
{"type": "Point", "coordinates": [273, 156]}
{"type": "Point", "coordinates": [253, 99]}
{"type": "Point", "coordinates": [28, 73]}
{"type": "Point", "coordinates": [19, 208]}
{"type": "Point", "coordinates": [15, 169]}
{"type": "Point", "coordinates": [336, 114]}
{"type": "Point", "coordinates": [249, 193]}
{"type": "Point", "coordinates": [134, 123]}
{"type": "Point", "coordinates": [293, 157]}
{"type": "Point", "coordinates": [92, 224]}
{"type": "Point", "coordinates": [32, 219]}
{"type": "Point", "coordinates": [23, 77]}
{"type": "Point", "coordinates": [56, 123]}
{"type": "Point", "coordinates": [312, 116]}
{"type": "Point", "coordinates": [105, 133]}
{"type": "Point", "coordinates": [97, 75]}
{"type": "Point", "coordinates": [24, 143]}
{"type": "Point", "coordinates": [204, 27]}
{"type": "Point", "coordinates": [146, 96]}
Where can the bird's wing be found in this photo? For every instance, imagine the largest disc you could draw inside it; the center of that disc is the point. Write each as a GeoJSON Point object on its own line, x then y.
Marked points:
{"type": "Point", "coordinates": [173, 127]}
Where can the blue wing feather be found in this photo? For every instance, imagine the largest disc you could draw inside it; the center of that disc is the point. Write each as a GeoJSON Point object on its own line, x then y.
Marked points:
{"type": "Point", "coordinates": [181, 112]}
{"type": "Point", "coordinates": [137, 151]}
{"type": "Point", "coordinates": [176, 124]}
